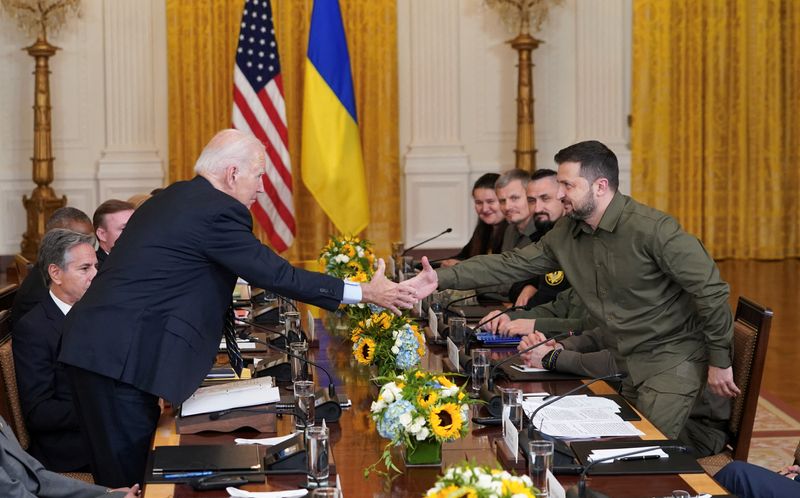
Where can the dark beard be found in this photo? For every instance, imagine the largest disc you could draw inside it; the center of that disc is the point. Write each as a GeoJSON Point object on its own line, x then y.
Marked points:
{"type": "Point", "coordinates": [543, 226]}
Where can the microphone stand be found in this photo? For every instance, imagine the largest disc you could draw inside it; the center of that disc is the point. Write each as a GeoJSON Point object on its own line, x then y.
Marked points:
{"type": "Point", "coordinates": [448, 230]}
{"type": "Point", "coordinates": [473, 331]}
{"type": "Point", "coordinates": [331, 386]}
{"type": "Point", "coordinates": [581, 491]}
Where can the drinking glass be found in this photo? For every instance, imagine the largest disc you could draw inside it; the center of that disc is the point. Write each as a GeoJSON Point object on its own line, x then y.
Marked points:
{"type": "Point", "coordinates": [480, 370]}
{"type": "Point", "coordinates": [512, 406]}
{"type": "Point", "coordinates": [299, 364]}
{"type": "Point", "coordinates": [540, 461]}
{"type": "Point", "coordinates": [304, 404]}
{"type": "Point", "coordinates": [291, 326]}
{"type": "Point", "coordinates": [458, 329]}
{"type": "Point", "coordinates": [317, 438]}
{"type": "Point", "coordinates": [285, 306]}
{"type": "Point", "coordinates": [326, 492]}
{"type": "Point", "coordinates": [679, 493]}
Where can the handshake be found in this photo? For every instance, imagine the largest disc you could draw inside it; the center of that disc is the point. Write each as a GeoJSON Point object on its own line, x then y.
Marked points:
{"type": "Point", "coordinates": [393, 296]}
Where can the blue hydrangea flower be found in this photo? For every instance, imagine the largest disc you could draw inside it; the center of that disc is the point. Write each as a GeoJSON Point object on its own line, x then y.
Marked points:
{"type": "Point", "coordinates": [389, 425]}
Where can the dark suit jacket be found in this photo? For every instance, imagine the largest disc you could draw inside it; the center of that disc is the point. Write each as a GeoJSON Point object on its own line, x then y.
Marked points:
{"type": "Point", "coordinates": [153, 315]}
{"type": "Point", "coordinates": [30, 293]}
{"type": "Point", "coordinates": [21, 476]}
{"type": "Point", "coordinates": [44, 390]}
{"type": "Point", "coordinates": [101, 257]}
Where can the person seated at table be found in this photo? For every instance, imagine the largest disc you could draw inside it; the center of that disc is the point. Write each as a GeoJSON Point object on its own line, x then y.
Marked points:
{"type": "Point", "coordinates": [109, 220]}
{"type": "Point", "coordinates": [487, 238]}
{"type": "Point", "coordinates": [33, 289]}
{"type": "Point", "coordinates": [543, 202]}
{"type": "Point", "coordinates": [746, 480]}
{"type": "Point", "coordinates": [22, 476]}
{"type": "Point", "coordinates": [593, 353]}
{"type": "Point", "coordinates": [68, 263]}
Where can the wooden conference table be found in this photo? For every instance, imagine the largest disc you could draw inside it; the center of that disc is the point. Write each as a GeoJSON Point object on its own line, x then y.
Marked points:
{"type": "Point", "coordinates": [356, 444]}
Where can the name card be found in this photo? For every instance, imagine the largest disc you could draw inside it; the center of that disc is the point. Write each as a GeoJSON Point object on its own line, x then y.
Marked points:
{"type": "Point", "coordinates": [433, 323]}
{"type": "Point", "coordinates": [310, 325]}
{"type": "Point", "coordinates": [510, 435]}
{"type": "Point", "coordinates": [452, 354]}
{"type": "Point", "coordinates": [554, 488]}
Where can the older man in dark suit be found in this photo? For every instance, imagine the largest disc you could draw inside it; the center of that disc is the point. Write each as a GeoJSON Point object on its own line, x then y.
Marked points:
{"type": "Point", "coordinates": [150, 324]}
{"type": "Point", "coordinates": [67, 260]}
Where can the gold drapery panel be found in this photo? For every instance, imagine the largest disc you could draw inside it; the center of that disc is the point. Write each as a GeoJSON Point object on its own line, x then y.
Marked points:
{"type": "Point", "coordinates": [716, 120]}
{"type": "Point", "coordinates": [201, 40]}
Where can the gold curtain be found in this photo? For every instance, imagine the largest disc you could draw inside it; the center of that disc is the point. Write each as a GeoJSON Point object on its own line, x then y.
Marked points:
{"type": "Point", "coordinates": [716, 120]}
{"type": "Point", "coordinates": [201, 39]}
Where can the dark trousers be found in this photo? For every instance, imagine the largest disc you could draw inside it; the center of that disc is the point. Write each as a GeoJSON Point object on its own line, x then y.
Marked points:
{"type": "Point", "coordinates": [119, 421]}
{"type": "Point", "coordinates": [751, 481]}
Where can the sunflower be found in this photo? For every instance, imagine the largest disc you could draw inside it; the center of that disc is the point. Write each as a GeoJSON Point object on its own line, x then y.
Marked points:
{"type": "Point", "coordinates": [355, 335]}
{"type": "Point", "coordinates": [365, 351]}
{"type": "Point", "coordinates": [426, 399]}
{"type": "Point", "coordinates": [445, 382]}
{"type": "Point", "coordinates": [515, 488]}
{"type": "Point", "coordinates": [421, 342]}
{"type": "Point", "coordinates": [446, 421]}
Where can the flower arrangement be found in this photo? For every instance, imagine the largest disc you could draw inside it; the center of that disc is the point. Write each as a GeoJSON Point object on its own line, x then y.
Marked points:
{"type": "Point", "coordinates": [481, 482]}
{"type": "Point", "coordinates": [418, 408]}
{"type": "Point", "coordinates": [348, 257]}
{"type": "Point", "coordinates": [388, 341]}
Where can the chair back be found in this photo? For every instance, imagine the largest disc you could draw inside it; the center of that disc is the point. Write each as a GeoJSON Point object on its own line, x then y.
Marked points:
{"type": "Point", "coordinates": [11, 394]}
{"type": "Point", "coordinates": [797, 454]}
{"type": "Point", "coordinates": [751, 327]}
{"type": "Point", "coordinates": [7, 294]}
{"type": "Point", "coordinates": [23, 266]}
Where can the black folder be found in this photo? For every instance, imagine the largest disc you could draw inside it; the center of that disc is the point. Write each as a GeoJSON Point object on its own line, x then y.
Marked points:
{"type": "Point", "coordinates": [515, 375]}
{"type": "Point", "coordinates": [678, 462]}
{"type": "Point", "coordinates": [198, 458]}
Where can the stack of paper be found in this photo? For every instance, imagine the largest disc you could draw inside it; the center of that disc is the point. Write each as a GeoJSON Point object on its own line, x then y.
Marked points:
{"type": "Point", "coordinates": [579, 417]}
{"type": "Point", "coordinates": [231, 395]}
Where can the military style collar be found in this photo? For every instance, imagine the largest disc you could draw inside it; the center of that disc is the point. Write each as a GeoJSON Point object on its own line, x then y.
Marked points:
{"type": "Point", "coordinates": [609, 220]}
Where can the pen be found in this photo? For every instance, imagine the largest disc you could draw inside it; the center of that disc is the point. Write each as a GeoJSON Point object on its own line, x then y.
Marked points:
{"type": "Point", "coordinates": [182, 475]}
{"type": "Point", "coordinates": [638, 457]}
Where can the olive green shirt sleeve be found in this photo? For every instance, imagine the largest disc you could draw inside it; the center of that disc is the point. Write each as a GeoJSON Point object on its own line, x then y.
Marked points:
{"type": "Point", "coordinates": [684, 259]}
{"type": "Point", "coordinates": [585, 354]}
{"type": "Point", "coordinates": [565, 313]}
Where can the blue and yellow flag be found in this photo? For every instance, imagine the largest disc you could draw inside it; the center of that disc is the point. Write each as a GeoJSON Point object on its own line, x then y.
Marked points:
{"type": "Point", "coordinates": [332, 164]}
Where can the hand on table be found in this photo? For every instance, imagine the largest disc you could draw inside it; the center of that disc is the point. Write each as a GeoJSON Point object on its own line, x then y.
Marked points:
{"type": "Point", "coordinates": [533, 358]}
{"type": "Point", "coordinates": [521, 327]}
{"type": "Point", "coordinates": [492, 322]}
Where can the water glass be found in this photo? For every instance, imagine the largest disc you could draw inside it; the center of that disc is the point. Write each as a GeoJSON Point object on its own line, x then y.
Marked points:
{"type": "Point", "coordinates": [458, 329]}
{"type": "Point", "coordinates": [439, 322]}
{"type": "Point", "coordinates": [406, 269]}
{"type": "Point", "coordinates": [317, 452]}
{"type": "Point", "coordinates": [326, 492]}
{"type": "Point", "coordinates": [298, 360]}
{"type": "Point", "coordinates": [539, 462]}
{"type": "Point", "coordinates": [512, 405]}
{"type": "Point", "coordinates": [679, 493]}
{"type": "Point", "coordinates": [480, 370]}
{"type": "Point", "coordinates": [304, 404]}
{"type": "Point", "coordinates": [291, 326]}
{"type": "Point", "coordinates": [285, 306]}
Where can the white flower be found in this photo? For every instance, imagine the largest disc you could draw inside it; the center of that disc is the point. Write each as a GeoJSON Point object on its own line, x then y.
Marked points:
{"type": "Point", "coordinates": [341, 258]}
{"type": "Point", "coordinates": [377, 406]}
{"type": "Point", "coordinates": [423, 434]}
{"type": "Point", "coordinates": [390, 392]}
{"type": "Point", "coordinates": [360, 252]}
{"type": "Point", "coordinates": [395, 350]}
{"type": "Point", "coordinates": [405, 419]}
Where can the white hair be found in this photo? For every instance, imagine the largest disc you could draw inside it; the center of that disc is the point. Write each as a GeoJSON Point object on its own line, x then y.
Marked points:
{"type": "Point", "coordinates": [229, 147]}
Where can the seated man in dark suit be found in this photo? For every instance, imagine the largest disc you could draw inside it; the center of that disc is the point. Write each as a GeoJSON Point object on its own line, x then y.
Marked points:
{"type": "Point", "coordinates": [21, 476]}
{"type": "Point", "coordinates": [746, 480]}
{"type": "Point", "coordinates": [109, 220]}
{"type": "Point", "coordinates": [68, 262]}
{"type": "Point", "coordinates": [33, 289]}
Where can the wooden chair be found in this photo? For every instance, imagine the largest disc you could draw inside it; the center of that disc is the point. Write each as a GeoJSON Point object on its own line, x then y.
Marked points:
{"type": "Point", "coordinates": [23, 266]}
{"type": "Point", "coordinates": [11, 400]}
{"type": "Point", "coordinates": [7, 294]}
{"type": "Point", "coordinates": [751, 327]}
{"type": "Point", "coordinates": [797, 454]}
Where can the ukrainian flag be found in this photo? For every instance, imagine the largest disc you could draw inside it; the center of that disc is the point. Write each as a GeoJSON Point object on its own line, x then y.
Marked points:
{"type": "Point", "coordinates": [332, 164]}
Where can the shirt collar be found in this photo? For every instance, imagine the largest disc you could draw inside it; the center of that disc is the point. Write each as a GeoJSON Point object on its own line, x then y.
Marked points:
{"type": "Point", "coordinates": [64, 307]}
{"type": "Point", "coordinates": [609, 220]}
{"type": "Point", "coordinates": [530, 228]}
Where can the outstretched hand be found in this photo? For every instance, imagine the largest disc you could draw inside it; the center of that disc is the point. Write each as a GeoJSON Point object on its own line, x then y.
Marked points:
{"type": "Point", "coordinates": [425, 282]}
{"type": "Point", "coordinates": [385, 293]}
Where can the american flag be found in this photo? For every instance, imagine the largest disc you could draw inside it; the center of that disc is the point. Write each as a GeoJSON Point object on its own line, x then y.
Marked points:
{"type": "Point", "coordinates": [259, 108]}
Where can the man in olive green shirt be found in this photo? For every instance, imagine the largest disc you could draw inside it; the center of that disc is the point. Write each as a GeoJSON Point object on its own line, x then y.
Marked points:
{"type": "Point", "coordinates": [640, 276]}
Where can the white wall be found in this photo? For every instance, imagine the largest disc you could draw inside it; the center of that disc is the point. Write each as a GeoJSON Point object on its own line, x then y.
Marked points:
{"type": "Point", "coordinates": [458, 81]}
{"type": "Point", "coordinates": [108, 93]}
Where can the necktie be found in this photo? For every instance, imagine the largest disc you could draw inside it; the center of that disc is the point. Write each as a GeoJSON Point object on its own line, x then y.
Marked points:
{"type": "Point", "coordinates": [234, 354]}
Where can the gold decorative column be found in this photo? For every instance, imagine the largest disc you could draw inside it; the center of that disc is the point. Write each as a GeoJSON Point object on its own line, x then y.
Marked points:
{"type": "Point", "coordinates": [520, 13]}
{"type": "Point", "coordinates": [36, 17]}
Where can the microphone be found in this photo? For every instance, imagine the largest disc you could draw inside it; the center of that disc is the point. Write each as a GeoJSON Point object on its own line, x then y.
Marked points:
{"type": "Point", "coordinates": [520, 353]}
{"type": "Point", "coordinates": [331, 386]}
{"type": "Point", "coordinates": [426, 241]}
{"type": "Point", "coordinates": [580, 490]}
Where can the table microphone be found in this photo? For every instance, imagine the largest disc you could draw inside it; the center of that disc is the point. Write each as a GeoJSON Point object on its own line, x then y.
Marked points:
{"type": "Point", "coordinates": [331, 386]}
{"type": "Point", "coordinates": [426, 241]}
{"type": "Point", "coordinates": [580, 490]}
